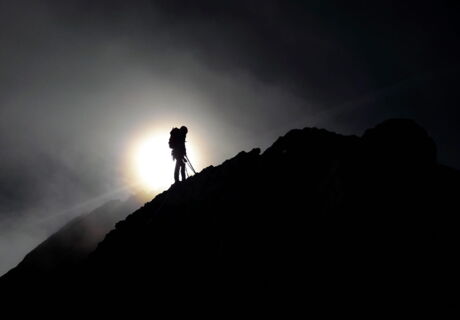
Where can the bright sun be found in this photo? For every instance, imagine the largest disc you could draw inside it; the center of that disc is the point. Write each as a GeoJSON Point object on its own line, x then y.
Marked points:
{"type": "Point", "coordinates": [152, 162]}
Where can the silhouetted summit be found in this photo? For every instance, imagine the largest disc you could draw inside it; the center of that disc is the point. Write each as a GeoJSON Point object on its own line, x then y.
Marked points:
{"type": "Point", "coordinates": [318, 218]}
{"type": "Point", "coordinates": [401, 142]}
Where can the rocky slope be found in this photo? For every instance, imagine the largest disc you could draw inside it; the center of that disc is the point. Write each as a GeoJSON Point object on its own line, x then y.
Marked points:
{"type": "Point", "coordinates": [318, 217]}
{"type": "Point", "coordinates": [66, 249]}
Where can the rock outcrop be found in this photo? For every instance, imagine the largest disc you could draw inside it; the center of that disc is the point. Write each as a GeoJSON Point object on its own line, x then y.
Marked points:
{"type": "Point", "coordinates": [318, 217]}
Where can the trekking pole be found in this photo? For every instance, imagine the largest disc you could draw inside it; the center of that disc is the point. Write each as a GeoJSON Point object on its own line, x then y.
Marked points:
{"type": "Point", "coordinates": [190, 164]}
{"type": "Point", "coordinates": [191, 167]}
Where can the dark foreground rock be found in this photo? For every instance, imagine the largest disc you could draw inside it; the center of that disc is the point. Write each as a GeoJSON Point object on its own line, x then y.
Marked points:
{"type": "Point", "coordinates": [317, 219]}
{"type": "Point", "coordinates": [68, 248]}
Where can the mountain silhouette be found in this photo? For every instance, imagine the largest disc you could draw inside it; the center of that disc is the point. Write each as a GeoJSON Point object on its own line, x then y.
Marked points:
{"type": "Point", "coordinates": [66, 249]}
{"type": "Point", "coordinates": [318, 218]}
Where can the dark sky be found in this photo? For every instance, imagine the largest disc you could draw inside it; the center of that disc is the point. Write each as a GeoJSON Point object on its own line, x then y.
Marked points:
{"type": "Point", "coordinates": [79, 79]}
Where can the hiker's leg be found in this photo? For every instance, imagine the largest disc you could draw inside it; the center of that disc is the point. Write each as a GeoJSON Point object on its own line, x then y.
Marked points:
{"type": "Point", "coordinates": [176, 170]}
{"type": "Point", "coordinates": [182, 170]}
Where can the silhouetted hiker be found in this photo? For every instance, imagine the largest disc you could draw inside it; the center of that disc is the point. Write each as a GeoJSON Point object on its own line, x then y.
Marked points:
{"type": "Point", "coordinates": [177, 144]}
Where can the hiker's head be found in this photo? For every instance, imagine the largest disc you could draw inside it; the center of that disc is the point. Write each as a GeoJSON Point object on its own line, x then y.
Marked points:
{"type": "Point", "coordinates": [183, 130]}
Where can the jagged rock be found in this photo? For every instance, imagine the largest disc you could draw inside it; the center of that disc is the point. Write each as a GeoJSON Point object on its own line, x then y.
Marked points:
{"type": "Point", "coordinates": [340, 219]}
{"type": "Point", "coordinates": [401, 142]}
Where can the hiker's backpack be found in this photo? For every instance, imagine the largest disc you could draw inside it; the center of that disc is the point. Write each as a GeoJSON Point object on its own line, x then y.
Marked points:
{"type": "Point", "coordinates": [174, 138]}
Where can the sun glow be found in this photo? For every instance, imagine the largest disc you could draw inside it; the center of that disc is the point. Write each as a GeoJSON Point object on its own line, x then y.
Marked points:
{"type": "Point", "coordinates": [152, 164]}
